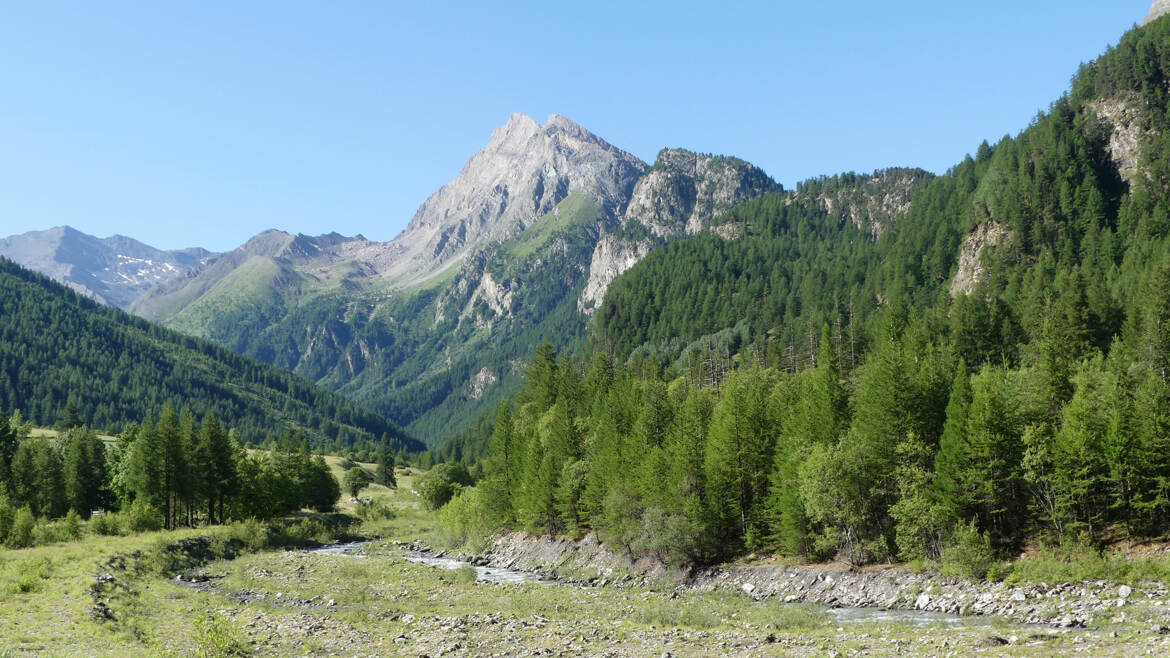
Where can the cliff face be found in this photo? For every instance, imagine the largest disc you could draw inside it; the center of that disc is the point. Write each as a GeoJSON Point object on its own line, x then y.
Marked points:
{"type": "Point", "coordinates": [680, 195]}
{"type": "Point", "coordinates": [684, 190]}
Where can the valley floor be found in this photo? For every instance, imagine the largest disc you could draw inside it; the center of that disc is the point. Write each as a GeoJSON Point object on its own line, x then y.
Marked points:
{"type": "Point", "coordinates": [378, 603]}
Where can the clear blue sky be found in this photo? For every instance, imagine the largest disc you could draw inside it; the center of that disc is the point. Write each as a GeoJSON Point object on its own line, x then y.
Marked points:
{"type": "Point", "coordinates": [203, 123]}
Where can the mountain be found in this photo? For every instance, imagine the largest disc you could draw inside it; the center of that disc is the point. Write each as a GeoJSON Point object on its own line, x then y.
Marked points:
{"type": "Point", "coordinates": [113, 270]}
{"type": "Point", "coordinates": [434, 327]}
{"type": "Point", "coordinates": [57, 347]}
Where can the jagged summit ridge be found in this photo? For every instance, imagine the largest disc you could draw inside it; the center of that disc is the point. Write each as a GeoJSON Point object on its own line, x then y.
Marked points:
{"type": "Point", "coordinates": [525, 170]}
{"type": "Point", "coordinates": [1157, 10]}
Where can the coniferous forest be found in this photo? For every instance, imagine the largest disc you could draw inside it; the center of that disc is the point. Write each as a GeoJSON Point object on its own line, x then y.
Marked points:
{"type": "Point", "coordinates": [810, 389]}
{"type": "Point", "coordinates": [58, 348]}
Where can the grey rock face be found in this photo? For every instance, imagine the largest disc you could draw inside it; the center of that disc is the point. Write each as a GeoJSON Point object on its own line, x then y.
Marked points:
{"type": "Point", "coordinates": [680, 195]}
{"type": "Point", "coordinates": [683, 191]}
{"type": "Point", "coordinates": [874, 202]}
{"type": "Point", "coordinates": [611, 258]}
{"type": "Point", "coordinates": [522, 174]}
{"type": "Point", "coordinates": [113, 270]}
{"type": "Point", "coordinates": [1157, 10]}
{"type": "Point", "coordinates": [1129, 127]}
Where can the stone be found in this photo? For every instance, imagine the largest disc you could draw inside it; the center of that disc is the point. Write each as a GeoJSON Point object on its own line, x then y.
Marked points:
{"type": "Point", "coordinates": [922, 601]}
{"type": "Point", "coordinates": [1124, 591]}
{"type": "Point", "coordinates": [1157, 10]}
{"type": "Point", "coordinates": [1019, 596]}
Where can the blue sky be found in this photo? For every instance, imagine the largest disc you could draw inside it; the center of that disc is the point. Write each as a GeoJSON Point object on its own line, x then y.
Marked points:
{"type": "Point", "coordinates": [202, 124]}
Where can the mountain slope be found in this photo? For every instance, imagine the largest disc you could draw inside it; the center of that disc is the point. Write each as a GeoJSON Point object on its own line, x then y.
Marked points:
{"type": "Point", "coordinates": [56, 346]}
{"type": "Point", "coordinates": [113, 270]}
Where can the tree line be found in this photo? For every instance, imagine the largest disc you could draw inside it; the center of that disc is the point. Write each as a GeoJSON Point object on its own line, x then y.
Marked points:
{"type": "Point", "coordinates": [168, 470]}
{"type": "Point", "coordinates": [895, 460]}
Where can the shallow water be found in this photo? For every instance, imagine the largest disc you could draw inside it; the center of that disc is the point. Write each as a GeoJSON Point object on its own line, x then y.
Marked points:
{"type": "Point", "coordinates": [349, 549]}
{"type": "Point", "coordinates": [922, 618]}
{"type": "Point", "coordinates": [482, 574]}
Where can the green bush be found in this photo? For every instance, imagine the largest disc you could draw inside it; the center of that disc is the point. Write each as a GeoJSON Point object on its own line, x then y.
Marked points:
{"type": "Point", "coordinates": [374, 511]}
{"type": "Point", "coordinates": [1078, 559]}
{"type": "Point", "coordinates": [108, 524]}
{"type": "Point", "coordinates": [308, 530]}
{"type": "Point", "coordinates": [71, 526]}
{"type": "Point", "coordinates": [968, 554]}
{"type": "Point", "coordinates": [52, 532]}
{"type": "Point", "coordinates": [251, 533]}
{"type": "Point", "coordinates": [215, 637]}
{"type": "Point", "coordinates": [463, 523]}
{"type": "Point", "coordinates": [143, 517]}
{"type": "Point", "coordinates": [23, 526]}
{"type": "Point", "coordinates": [440, 484]}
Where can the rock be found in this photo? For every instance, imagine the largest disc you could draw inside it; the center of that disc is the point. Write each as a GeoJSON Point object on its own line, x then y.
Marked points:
{"type": "Point", "coordinates": [1124, 591]}
{"type": "Point", "coordinates": [1019, 596]}
{"type": "Point", "coordinates": [1157, 9]}
{"type": "Point", "coordinates": [748, 588]}
{"type": "Point", "coordinates": [922, 601]}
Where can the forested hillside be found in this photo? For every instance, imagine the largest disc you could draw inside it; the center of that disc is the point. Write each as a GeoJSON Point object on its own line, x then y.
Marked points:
{"type": "Point", "coordinates": [991, 370]}
{"type": "Point", "coordinates": [58, 348]}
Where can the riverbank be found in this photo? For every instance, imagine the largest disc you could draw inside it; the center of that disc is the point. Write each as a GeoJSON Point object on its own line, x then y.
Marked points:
{"type": "Point", "coordinates": [1068, 605]}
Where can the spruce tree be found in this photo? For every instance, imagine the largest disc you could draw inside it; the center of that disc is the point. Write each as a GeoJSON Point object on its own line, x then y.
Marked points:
{"type": "Point", "coordinates": [384, 474]}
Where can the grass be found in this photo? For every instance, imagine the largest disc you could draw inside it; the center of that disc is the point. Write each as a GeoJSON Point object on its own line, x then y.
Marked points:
{"type": "Point", "coordinates": [577, 208]}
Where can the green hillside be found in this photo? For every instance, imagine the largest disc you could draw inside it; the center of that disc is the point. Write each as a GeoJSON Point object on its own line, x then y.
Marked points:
{"type": "Point", "coordinates": [57, 347]}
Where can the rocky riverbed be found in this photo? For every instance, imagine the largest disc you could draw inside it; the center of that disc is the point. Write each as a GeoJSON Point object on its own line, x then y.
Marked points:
{"type": "Point", "coordinates": [1066, 605]}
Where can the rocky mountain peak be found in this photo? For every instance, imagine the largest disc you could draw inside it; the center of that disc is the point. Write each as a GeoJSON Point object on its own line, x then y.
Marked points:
{"type": "Point", "coordinates": [522, 174]}
{"type": "Point", "coordinates": [1157, 10]}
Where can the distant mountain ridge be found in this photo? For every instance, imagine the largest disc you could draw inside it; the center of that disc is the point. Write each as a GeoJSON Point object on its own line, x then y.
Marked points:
{"type": "Point", "coordinates": [114, 270]}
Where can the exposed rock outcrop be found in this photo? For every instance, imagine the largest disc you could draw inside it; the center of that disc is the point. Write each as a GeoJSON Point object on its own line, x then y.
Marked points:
{"type": "Point", "coordinates": [970, 271]}
{"type": "Point", "coordinates": [1157, 10]}
{"type": "Point", "coordinates": [872, 203]}
{"type": "Point", "coordinates": [683, 191]}
{"type": "Point", "coordinates": [480, 382]}
{"type": "Point", "coordinates": [611, 257]}
{"type": "Point", "coordinates": [680, 195]}
{"type": "Point", "coordinates": [1128, 127]}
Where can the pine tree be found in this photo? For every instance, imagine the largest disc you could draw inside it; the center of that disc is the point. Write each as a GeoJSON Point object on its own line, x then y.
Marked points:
{"type": "Point", "coordinates": [85, 471]}
{"type": "Point", "coordinates": [951, 463]}
{"type": "Point", "coordinates": [384, 474]}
